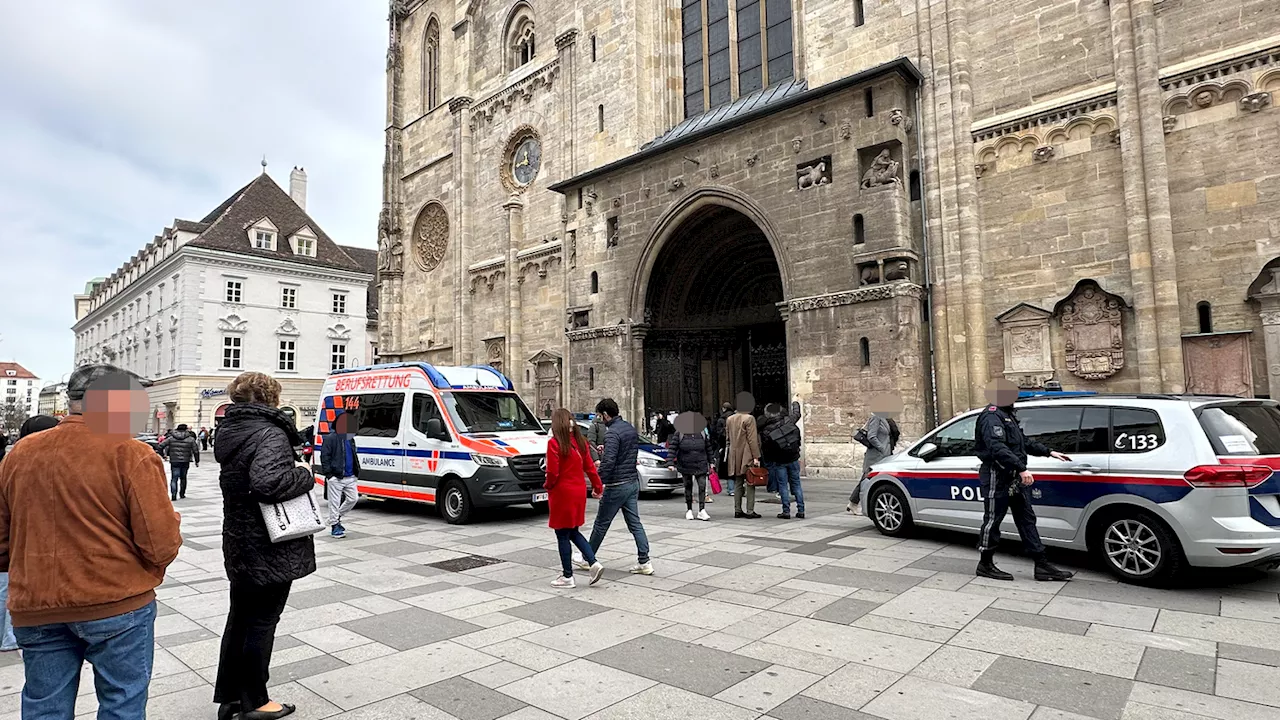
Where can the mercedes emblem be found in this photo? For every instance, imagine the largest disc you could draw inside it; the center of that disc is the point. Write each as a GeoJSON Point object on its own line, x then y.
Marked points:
{"type": "Point", "coordinates": [543, 464]}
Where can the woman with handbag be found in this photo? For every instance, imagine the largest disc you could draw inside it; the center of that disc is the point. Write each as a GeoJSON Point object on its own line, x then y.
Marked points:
{"type": "Point", "coordinates": [254, 446]}
{"type": "Point", "coordinates": [691, 454]}
{"type": "Point", "coordinates": [569, 464]}
{"type": "Point", "coordinates": [744, 456]}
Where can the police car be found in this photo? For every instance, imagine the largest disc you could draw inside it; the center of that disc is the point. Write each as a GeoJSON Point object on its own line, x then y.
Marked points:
{"type": "Point", "coordinates": [459, 438]}
{"type": "Point", "coordinates": [1156, 483]}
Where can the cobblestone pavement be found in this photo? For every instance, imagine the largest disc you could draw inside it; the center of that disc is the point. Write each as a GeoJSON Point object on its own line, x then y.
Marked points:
{"type": "Point", "coordinates": [794, 620]}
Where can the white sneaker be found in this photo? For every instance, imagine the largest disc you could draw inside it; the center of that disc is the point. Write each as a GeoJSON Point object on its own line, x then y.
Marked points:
{"type": "Point", "coordinates": [564, 582]}
{"type": "Point", "coordinates": [597, 571]}
{"type": "Point", "coordinates": [688, 514]}
{"type": "Point", "coordinates": [848, 508]}
{"type": "Point", "coordinates": [642, 569]}
{"type": "Point", "coordinates": [702, 515]}
{"type": "Point", "coordinates": [579, 562]}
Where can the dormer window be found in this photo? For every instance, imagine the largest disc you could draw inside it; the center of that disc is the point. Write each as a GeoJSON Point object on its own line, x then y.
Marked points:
{"type": "Point", "coordinates": [521, 39]}
{"type": "Point", "coordinates": [263, 234]}
{"type": "Point", "coordinates": [303, 242]}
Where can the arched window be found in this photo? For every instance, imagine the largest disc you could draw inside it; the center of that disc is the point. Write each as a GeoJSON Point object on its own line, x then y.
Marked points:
{"type": "Point", "coordinates": [591, 378]}
{"type": "Point", "coordinates": [521, 46]}
{"type": "Point", "coordinates": [600, 118]}
{"type": "Point", "coordinates": [864, 351]}
{"type": "Point", "coordinates": [859, 17]}
{"type": "Point", "coordinates": [1205, 312]}
{"type": "Point", "coordinates": [913, 185]}
{"type": "Point", "coordinates": [595, 283]}
{"type": "Point", "coordinates": [431, 67]}
{"type": "Point", "coordinates": [859, 230]}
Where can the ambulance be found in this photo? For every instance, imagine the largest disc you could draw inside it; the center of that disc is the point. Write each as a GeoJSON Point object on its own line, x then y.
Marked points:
{"type": "Point", "coordinates": [459, 438]}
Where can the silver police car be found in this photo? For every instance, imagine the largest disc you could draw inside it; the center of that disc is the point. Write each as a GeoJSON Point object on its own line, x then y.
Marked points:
{"type": "Point", "coordinates": [1156, 483]}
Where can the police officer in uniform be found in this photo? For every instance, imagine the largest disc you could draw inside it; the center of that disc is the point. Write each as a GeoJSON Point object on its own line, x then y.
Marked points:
{"type": "Point", "coordinates": [1006, 483]}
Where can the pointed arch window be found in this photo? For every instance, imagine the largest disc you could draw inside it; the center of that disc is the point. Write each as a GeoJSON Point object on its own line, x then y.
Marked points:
{"type": "Point", "coordinates": [431, 67]}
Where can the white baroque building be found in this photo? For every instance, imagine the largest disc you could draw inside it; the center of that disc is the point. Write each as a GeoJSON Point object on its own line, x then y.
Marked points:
{"type": "Point", "coordinates": [255, 285]}
{"type": "Point", "coordinates": [19, 387]}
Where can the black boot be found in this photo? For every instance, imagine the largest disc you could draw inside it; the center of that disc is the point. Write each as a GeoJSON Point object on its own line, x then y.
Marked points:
{"type": "Point", "coordinates": [228, 711]}
{"type": "Point", "coordinates": [1046, 572]}
{"type": "Point", "coordinates": [988, 569]}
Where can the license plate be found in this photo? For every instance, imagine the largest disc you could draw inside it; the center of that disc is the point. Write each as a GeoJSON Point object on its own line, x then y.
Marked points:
{"type": "Point", "coordinates": [539, 497]}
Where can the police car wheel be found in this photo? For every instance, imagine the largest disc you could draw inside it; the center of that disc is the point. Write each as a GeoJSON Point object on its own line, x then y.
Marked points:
{"type": "Point", "coordinates": [889, 511]}
{"type": "Point", "coordinates": [1138, 548]}
{"type": "Point", "coordinates": [455, 505]}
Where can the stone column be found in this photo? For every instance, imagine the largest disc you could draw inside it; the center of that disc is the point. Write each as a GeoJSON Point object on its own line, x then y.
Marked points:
{"type": "Point", "coordinates": [463, 349]}
{"type": "Point", "coordinates": [1270, 315]}
{"type": "Point", "coordinates": [567, 96]}
{"type": "Point", "coordinates": [634, 401]}
{"type": "Point", "coordinates": [514, 207]}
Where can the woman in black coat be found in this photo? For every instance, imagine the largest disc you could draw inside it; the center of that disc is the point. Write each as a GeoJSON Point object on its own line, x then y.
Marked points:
{"type": "Point", "coordinates": [692, 455]}
{"type": "Point", "coordinates": [254, 446]}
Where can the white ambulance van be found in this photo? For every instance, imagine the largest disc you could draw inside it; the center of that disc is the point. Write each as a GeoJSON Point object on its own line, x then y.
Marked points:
{"type": "Point", "coordinates": [459, 438]}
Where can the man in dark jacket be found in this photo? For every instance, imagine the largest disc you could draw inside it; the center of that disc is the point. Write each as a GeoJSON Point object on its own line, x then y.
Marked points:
{"type": "Point", "coordinates": [621, 484]}
{"type": "Point", "coordinates": [181, 447]}
{"type": "Point", "coordinates": [340, 464]}
{"type": "Point", "coordinates": [595, 437]}
{"type": "Point", "coordinates": [780, 453]}
{"type": "Point", "coordinates": [1002, 447]}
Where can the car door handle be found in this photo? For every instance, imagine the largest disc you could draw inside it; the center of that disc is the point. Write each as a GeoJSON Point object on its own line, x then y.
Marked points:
{"type": "Point", "coordinates": [395, 442]}
{"type": "Point", "coordinates": [413, 444]}
{"type": "Point", "coordinates": [1084, 468]}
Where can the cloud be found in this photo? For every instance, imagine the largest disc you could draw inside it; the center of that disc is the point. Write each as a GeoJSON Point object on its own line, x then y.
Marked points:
{"type": "Point", "coordinates": [120, 115]}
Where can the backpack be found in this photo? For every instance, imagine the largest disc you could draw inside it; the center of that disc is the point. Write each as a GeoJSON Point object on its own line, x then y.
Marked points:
{"type": "Point", "coordinates": [786, 436]}
{"type": "Point", "coordinates": [894, 434]}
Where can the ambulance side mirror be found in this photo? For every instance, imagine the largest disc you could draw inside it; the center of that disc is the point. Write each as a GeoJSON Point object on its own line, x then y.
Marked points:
{"type": "Point", "coordinates": [435, 429]}
{"type": "Point", "coordinates": [927, 451]}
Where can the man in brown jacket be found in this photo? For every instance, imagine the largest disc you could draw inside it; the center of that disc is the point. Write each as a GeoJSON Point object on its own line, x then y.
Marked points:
{"type": "Point", "coordinates": [744, 451]}
{"type": "Point", "coordinates": [86, 532]}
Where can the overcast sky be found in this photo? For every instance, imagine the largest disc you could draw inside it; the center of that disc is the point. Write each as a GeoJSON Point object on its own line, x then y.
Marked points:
{"type": "Point", "coordinates": [116, 116]}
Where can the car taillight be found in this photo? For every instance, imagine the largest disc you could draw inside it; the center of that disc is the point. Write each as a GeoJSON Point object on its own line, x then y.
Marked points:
{"type": "Point", "coordinates": [1227, 476]}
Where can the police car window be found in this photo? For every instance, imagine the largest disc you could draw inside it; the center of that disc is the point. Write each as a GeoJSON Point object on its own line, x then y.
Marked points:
{"type": "Point", "coordinates": [1056, 427]}
{"type": "Point", "coordinates": [424, 409]}
{"type": "Point", "coordinates": [1242, 429]}
{"type": "Point", "coordinates": [1135, 430]}
{"type": "Point", "coordinates": [956, 439]}
{"type": "Point", "coordinates": [1095, 431]}
{"type": "Point", "coordinates": [379, 415]}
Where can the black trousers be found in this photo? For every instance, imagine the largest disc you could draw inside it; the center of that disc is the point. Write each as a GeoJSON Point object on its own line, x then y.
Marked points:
{"type": "Point", "coordinates": [1000, 494]}
{"type": "Point", "coordinates": [247, 643]}
{"type": "Point", "coordinates": [688, 490]}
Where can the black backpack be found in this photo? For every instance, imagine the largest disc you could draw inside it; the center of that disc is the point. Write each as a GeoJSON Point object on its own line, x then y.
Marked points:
{"type": "Point", "coordinates": [894, 434]}
{"type": "Point", "coordinates": [786, 436]}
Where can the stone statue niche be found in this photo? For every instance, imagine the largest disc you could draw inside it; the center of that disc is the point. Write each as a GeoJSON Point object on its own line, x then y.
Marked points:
{"type": "Point", "coordinates": [1093, 324]}
{"type": "Point", "coordinates": [882, 166]}
{"type": "Point", "coordinates": [889, 270]}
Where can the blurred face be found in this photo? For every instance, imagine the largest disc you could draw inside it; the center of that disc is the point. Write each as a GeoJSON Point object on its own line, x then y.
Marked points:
{"type": "Point", "coordinates": [1002, 393]}
{"type": "Point", "coordinates": [745, 402]}
{"type": "Point", "coordinates": [690, 423]}
{"type": "Point", "coordinates": [343, 423]}
{"type": "Point", "coordinates": [116, 411]}
{"type": "Point", "coordinates": [886, 405]}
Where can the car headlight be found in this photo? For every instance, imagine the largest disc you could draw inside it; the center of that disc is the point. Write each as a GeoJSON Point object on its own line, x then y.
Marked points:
{"type": "Point", "coordinates": [651, 462]}
{"type": "Point", "coordinates": [488, 460]}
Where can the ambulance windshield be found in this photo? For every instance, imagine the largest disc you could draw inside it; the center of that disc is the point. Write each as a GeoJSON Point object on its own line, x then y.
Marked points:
{"type": "Point", "coordinates": [478, 412]}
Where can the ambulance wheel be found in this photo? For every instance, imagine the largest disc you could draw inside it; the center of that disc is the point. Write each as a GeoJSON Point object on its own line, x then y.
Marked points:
{"type": "Point", "coordinates": [455, 504]}
{"type": "Point", "coordinates": [889, 510]}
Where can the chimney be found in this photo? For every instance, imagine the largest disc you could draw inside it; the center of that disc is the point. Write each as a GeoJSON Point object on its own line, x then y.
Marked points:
{"type": "Point", "coordinates": [298, 186]}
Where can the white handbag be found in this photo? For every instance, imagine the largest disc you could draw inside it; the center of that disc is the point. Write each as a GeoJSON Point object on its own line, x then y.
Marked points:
{"type": "Point", "coordinates": [292, 519]}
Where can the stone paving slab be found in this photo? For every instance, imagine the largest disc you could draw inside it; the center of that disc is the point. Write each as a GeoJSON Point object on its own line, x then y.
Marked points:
{"type": "Point", "coordinates": [743, 620]}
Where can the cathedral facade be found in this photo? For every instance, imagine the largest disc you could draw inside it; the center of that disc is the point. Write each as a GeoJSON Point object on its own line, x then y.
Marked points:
{"type": "Point", "coordinates": [671, 201]}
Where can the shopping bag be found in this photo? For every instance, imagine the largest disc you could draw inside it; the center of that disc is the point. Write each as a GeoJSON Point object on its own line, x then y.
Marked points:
{"type": "Point", "coordinates": [714, 479]}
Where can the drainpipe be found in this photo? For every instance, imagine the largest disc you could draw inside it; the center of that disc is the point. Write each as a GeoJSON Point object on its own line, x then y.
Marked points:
{"type": "Point", "coordinates": [924, 253]}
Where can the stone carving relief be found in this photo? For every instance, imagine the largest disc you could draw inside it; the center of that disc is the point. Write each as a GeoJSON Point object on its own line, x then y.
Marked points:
{"type": "Point", "coordinates": [715, 170]}
{"type": "Point", "coordinates": [495, 349]}
{"type": "Point", "coordinates": [487, 279]}
{"type": "Point", "coordinates": [1206, 95]}
{"type": "Point", "coordinates": [287, 327]}
{"type": "Point", "coordinates": [900, 118]}
{"type": "Point", "coordinates": [753, 159]}
{"type": "Point", "coordinates": [846, 129]}
{"type": "Point", "coordinates": [546, 375]}
{"type": "Point", "coordinates": [1218, 365]}
{"type": "Point", "coordinates": [538, 266]}
{"type": "Point", "coordinates": [1016, 147]}
{"type": "Point", "coordinates": [399, 9]}
{"type": "Point", "coordinates": [814, 173]}
{"type": "Point", "coordinates": [891, 271]}
{"type": "Point", "coordinates": [430, 237]}
{"type": "Point", "coordinates": [589, 201]}
{"type": "Point", "coordinates": [796, 144]}
{"type": "Point", "coordinates": [675, 184]}
{"type": "Point", "coordinates": [595, 333]}
{"type": "Point", "coordinates": [485, 111]}
{"type": "Point", "coordinates": [1170, 122]}
{"type": "Point", "coordinates": [1027, 350]}
{"type": "Point", "coordinates": [979, 169]}
{"type": "Point", "coordinates": [853, 297]}
{"type": "Point", "coordinates": [1255, 102]}
{"type": "Point", "coordinates": [1043, 153]}
{"type": "Point", "coordinates": [1093, 323]}
{"type": "Point", "coordinates": [230, 323]}
{"type": "Point", "coordinates": [390, 248]}
{"type": "Point", "coordinates": [394, 55]}
{"type": "Point", "coordinates": [338, 331]}
{"type": "Point", "coordinates": [883, 171]}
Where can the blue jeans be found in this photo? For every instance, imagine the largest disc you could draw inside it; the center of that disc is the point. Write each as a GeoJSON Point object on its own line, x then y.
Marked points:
{"type": "Point", "coordinates": [787, 478]}
{"type": "Point", "coordinates": [120, 649]}
{"type": "Point", "coordinates": [7, 640]}
{"type": "Point", "coordinates": [627, 499]}
{"type": "Point", "coordinates": [727, 482]}
{"type": "Point", "coordinates": [567, 538]}
{"type": "Point", "coordinates": [178, 472]}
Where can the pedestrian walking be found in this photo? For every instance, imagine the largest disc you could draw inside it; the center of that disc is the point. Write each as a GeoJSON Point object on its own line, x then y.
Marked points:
{"type": "Point", "coordinates": [879, 435]}
{"type": "Point", "coordinates": [181, 448]}
{"type": "Point", "coordinates": [621, 483]}
{"type": "Point", "coordinates": [595, 437]}
{"type": "Point", "coordinates": [1006, 483]}
{"type": "Point", "coordinates": [86, 533]}
{"type": "Point", "coordinates": [254, 446]}
{"type": "Point", "coordinates": [691, 455]}
{"type": "Point", "coordinates": [743, 452]}
{"type": "Point", "coordinates": [780, 452]}
{"type": "Point", "coordinates": [203, 437]}
{"type": "Point", "coordinates": [665, 430]}
{"type": "Point", "coordinates": [569, 465]}
{"type": "Point", "coordinates": [340, 465]}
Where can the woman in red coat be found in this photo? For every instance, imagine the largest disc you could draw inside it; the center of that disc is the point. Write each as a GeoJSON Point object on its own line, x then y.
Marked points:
{"type": "Point", "coordinates": [568, 465]}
